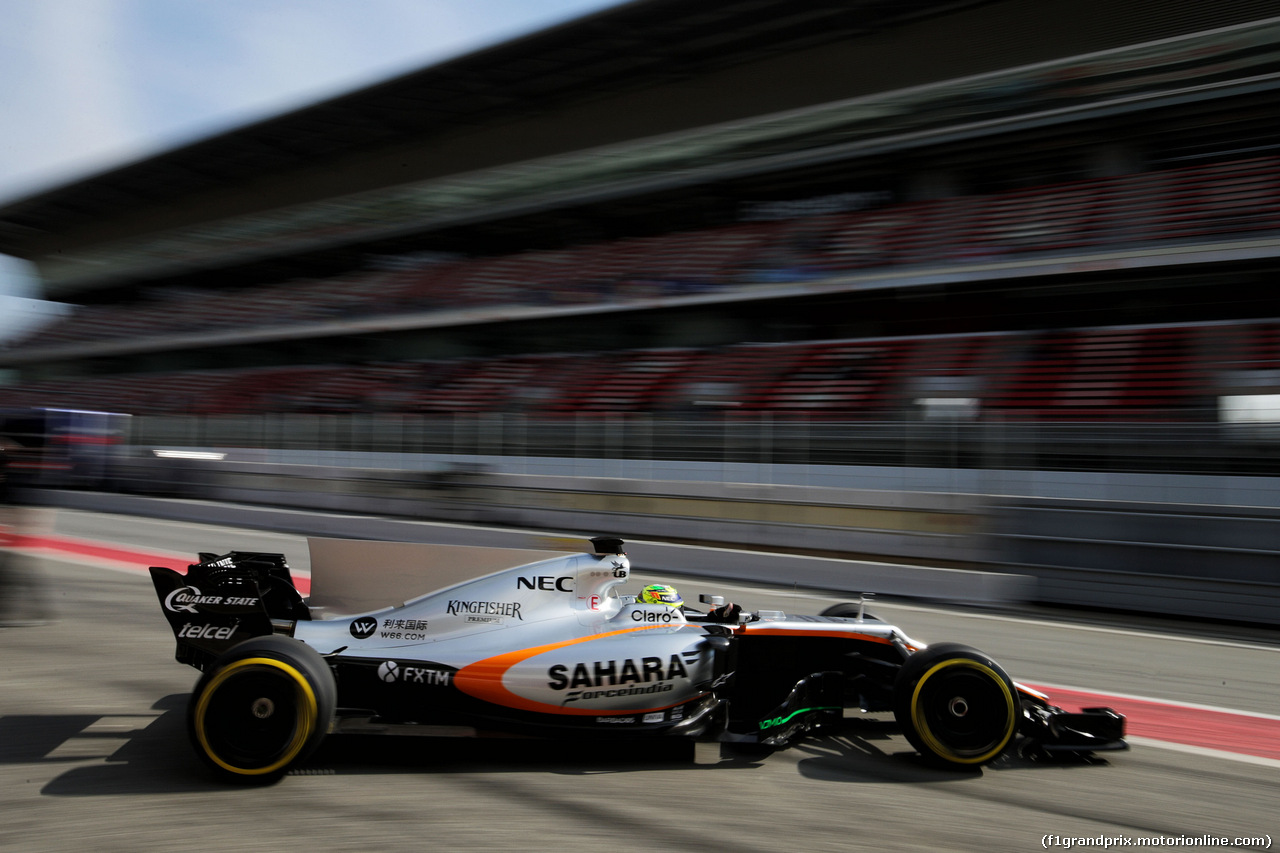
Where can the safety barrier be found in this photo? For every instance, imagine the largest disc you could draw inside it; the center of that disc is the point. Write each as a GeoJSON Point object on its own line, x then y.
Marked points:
{"type": "Point", "coordinates": [1189, 560]}
{"type": "Point", "coordinates": [1177, 557]}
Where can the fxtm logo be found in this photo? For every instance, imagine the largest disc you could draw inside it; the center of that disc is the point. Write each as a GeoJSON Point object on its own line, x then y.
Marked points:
{"type": "Point", "coordinates": [391, 672]}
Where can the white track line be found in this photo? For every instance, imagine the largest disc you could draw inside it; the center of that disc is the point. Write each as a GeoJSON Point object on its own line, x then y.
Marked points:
{"type": "Point", "coordinates": [1193, 706]}
{"type": "Point", "coordinates": [1205, 751]}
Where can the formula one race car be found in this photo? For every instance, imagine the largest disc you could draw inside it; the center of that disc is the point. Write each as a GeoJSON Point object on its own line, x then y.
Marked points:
{"type": "Point", "coordinates": [542, 644]}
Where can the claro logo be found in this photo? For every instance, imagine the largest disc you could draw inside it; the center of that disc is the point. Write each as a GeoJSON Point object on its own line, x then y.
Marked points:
{"type": "Point", "coordinates": [663, 616]}
{"type": "Point", "coordinates": [560, 584]}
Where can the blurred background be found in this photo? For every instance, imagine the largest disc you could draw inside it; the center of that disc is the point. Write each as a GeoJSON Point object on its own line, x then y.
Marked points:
{"type": "Point", "coordinates": [977, 286]}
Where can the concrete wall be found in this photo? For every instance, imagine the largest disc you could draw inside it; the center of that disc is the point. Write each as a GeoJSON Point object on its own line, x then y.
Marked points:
{"type": "Point", "coordinates": [1137, 542]}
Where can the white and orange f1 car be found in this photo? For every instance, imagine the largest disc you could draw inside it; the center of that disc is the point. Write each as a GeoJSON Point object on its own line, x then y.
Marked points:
{"type": "Point", "coordinates": [457, 641]}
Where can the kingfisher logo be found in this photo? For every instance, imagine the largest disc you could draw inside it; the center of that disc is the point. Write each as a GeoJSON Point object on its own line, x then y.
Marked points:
{"type": "Point", "coordinates": [457, 607]}
{"type": "Point", "coordinates": [362, 629]}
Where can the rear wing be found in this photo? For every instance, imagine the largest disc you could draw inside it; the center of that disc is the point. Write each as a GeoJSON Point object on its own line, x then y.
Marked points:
{"type": "Point", "coordinates": [225, 599]}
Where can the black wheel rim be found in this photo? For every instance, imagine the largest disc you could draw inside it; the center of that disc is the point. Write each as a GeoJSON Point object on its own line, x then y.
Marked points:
{"type": "Point", "coordinates": [255, 718]}
{"type": "Point", "coordinates": [963, 710]}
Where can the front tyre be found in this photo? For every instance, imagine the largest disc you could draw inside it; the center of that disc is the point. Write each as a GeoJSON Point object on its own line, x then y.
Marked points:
{"type": "Point", "coordinates": [956, 706]}
{"type": "Point", "coordinates": [261, 707]}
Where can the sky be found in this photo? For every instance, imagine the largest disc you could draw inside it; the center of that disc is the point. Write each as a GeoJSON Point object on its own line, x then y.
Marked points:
{"type": "Point", "coordinates": [86, 85]}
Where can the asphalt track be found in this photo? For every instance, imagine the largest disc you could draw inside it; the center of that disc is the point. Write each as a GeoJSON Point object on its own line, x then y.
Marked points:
{"type": "Point", "coordinates": [93, 752]}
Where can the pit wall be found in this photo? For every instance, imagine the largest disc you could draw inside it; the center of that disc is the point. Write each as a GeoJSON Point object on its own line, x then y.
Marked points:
{"type": "Point", "coordinates": [1189, 546]}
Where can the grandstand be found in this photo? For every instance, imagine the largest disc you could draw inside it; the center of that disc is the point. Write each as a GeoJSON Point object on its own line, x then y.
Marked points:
{"type": "Point", "coordinates": [868, 213]}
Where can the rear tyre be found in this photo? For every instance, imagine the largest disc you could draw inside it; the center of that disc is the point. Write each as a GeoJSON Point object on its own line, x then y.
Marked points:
{"type": "Point", "coordinates": [956, 706]}
{"type": "Point", "coordinates": [261, 707]}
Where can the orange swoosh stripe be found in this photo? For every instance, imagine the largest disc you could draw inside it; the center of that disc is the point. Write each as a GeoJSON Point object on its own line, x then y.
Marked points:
{"type": "Point", "coordinates": [483, 679]}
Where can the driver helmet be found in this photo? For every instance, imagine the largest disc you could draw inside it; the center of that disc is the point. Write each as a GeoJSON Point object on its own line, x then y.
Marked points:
{"type": "Point", "coordinates": [661, 593]}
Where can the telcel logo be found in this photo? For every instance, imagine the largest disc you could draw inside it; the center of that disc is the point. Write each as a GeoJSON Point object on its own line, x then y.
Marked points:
{"type": "Point", "coordinates": [207, 632]}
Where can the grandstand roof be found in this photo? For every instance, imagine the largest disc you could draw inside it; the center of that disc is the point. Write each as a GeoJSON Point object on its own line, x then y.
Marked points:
{"type": "Point", "coordinates": [631, 45]}
{"type": "Point", "coordinates": [597, 93]}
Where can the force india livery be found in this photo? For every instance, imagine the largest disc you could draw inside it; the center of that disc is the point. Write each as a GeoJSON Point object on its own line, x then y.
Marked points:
{"type": "Point", "coordinates": [542, 644]}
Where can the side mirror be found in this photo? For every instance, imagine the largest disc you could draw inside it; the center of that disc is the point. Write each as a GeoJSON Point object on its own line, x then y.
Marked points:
{"type": "Point", "coordinates": [713, 600]}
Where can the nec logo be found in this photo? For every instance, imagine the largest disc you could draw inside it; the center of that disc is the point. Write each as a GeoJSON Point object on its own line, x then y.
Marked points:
{"type": "Point", "coordinates": [560, 584]}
